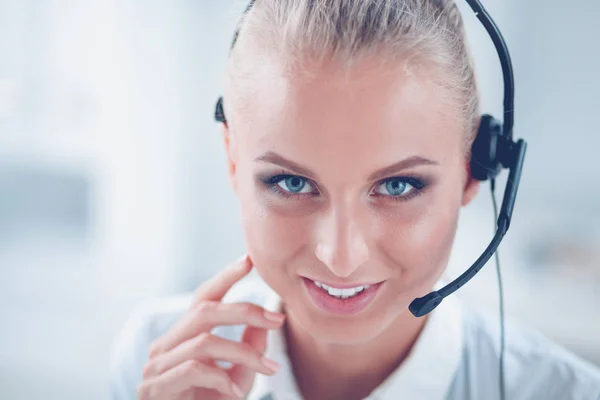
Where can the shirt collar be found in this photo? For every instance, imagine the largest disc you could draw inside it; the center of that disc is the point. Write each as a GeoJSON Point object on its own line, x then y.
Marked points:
{"type": "Point", "coordinates": [426, 374]}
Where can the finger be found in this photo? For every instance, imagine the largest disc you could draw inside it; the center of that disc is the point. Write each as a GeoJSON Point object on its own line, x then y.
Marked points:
{"type": "Point", "coordinates": [240, 374]}
{"type": "Point", "coordinates": [208, 315]}
{"type": "Point", "coordinates": [216, 287]}
{"type": "Point", "coordinates": [190, 374]}
{"type": "Point", "coordinates": [256, 338]}
{"type": "Point", "coordinates": [206, 348]}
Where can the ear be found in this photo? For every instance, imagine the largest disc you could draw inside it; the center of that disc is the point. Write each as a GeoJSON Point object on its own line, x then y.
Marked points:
{"type": "Point", "coordinates": [471, 187]}
{"type": "Point", "coordinates": [230, 143]}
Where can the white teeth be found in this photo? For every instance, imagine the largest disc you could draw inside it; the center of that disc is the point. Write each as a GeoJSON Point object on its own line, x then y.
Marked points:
{"type": "Point", "coordinates": [341, 293]}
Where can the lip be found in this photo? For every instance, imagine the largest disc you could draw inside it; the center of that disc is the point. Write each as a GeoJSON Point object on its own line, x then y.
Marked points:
{"type": "Point", "coordinates": [342, 285]}
{"type": "Point", "coordinates": [350, 306]}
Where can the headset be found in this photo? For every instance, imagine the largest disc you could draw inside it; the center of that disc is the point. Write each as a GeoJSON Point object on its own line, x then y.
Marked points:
{"type": "Point", "coordinates": [492, 151]}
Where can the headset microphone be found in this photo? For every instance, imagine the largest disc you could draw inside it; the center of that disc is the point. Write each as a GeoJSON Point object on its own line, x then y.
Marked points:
{"type": "Point", "coordinates": [493, 149]}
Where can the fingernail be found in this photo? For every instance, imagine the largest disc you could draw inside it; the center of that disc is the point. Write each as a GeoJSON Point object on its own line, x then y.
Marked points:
{"type": "Point", "coordinates": [275, 317]}
{"type": "Point", "coordinates": [238, 392]}
{"type": "Point", "coordinates": [270, 364]}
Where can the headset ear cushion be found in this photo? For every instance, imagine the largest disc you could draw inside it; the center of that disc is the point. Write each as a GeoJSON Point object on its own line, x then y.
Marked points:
{"type": "Point", "coordinates": [484, 161]}
{"type": "Point", "coordinates": [219, 112]}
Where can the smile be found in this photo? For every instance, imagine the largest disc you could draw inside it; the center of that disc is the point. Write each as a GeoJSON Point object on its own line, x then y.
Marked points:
{"type": "Point", "coordinates": [343, 301]}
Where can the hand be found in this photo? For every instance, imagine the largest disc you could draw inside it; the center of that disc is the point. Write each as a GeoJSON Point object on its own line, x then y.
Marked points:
{"type": "Point", "coordinates": [182, 363]}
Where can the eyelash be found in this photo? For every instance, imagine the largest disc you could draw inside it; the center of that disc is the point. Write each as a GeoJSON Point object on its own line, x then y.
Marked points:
{"type": "Point", "coordinates": [417, 184]}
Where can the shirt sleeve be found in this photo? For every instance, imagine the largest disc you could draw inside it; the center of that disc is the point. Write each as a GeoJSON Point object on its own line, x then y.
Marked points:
{"type": "Point", "coordinates": [128, 356]}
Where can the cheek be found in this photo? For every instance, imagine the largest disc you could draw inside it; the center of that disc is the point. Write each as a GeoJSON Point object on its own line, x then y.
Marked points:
{"type": "Point", "coordinates": [421, 245]}
{"type": "Point", "coordinates": [428, 247]}
{"type": "Point", "coordinates": [273, 239]}
{"type": "Point", "coordinates": [432, 238]}
{"type": "Point", "coordinates": [268, 233]}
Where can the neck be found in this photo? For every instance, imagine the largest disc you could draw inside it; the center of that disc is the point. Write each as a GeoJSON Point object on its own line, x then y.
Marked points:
{"type": "Point", "coordinates": [334, 371]}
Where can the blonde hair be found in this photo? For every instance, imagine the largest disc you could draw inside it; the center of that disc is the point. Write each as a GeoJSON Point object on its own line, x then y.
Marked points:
{"type": "Point", "coordinates": [346, 31]}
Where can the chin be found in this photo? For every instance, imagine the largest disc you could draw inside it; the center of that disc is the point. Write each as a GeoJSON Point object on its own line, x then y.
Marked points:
{"type": "Point", "coordinates": [347, 332]}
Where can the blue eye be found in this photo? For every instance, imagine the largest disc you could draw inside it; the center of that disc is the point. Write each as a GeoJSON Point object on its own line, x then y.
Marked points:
{"type": "Point", "coordinates": [400, 188]}
{"type": "Point", "coordinates": [293, 184]}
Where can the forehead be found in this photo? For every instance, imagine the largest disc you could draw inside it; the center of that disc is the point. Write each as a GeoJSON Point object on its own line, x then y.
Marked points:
{"type": "Point", "coordinates": [367, 116]}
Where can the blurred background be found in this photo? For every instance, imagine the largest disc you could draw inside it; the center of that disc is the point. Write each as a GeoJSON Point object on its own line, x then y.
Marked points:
{"type": "Point", "coordinates": [113, 187]}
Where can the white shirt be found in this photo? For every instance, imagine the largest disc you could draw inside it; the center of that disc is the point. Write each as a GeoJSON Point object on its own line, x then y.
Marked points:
{"type": "Point", "coordinates": [454, 358]}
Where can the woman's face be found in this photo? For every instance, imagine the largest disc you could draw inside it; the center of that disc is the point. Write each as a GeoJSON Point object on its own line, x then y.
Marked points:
{"type": "Point", "coordinates": [347, 180]}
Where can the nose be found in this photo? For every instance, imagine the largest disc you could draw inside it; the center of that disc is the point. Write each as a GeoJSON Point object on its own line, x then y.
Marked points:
{"type": "Point", "coordinates": [341, 244]}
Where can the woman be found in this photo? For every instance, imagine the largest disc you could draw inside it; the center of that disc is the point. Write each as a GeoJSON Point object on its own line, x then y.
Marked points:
{"type": "Point", "coordinates": [348, 136]}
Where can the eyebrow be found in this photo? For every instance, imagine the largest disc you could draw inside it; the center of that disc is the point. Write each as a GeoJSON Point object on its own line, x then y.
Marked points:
{"type": "Point", "coordinates": [413, 161]}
